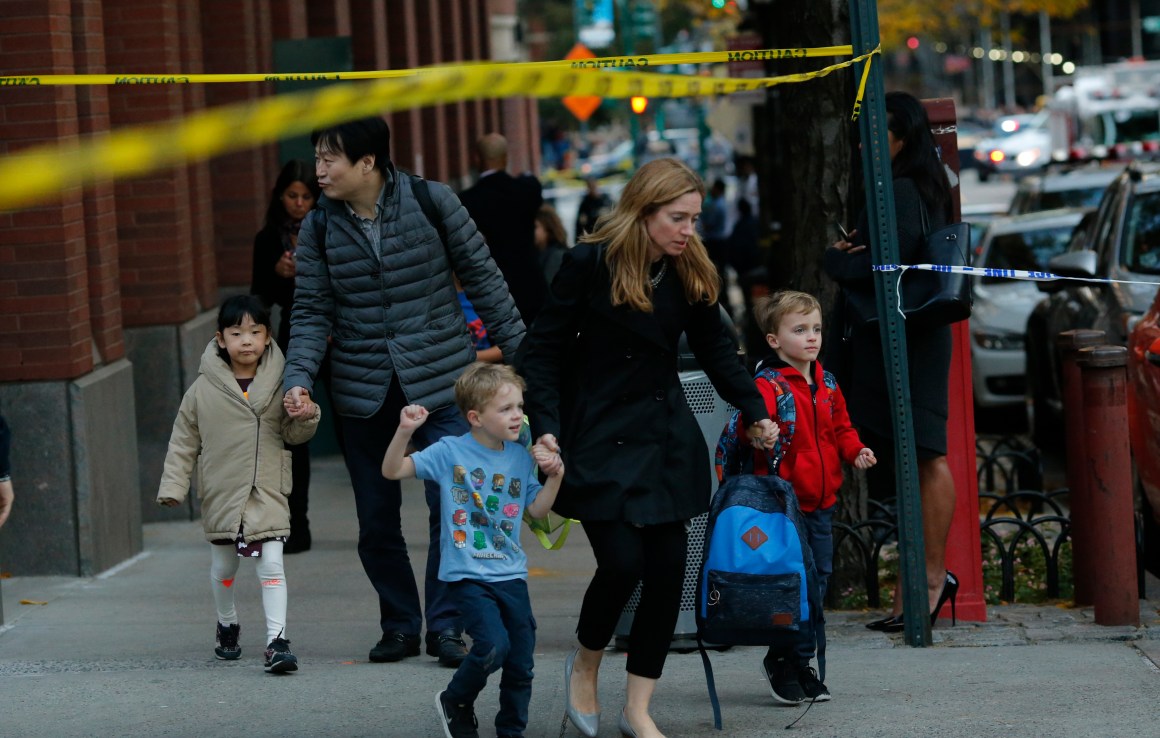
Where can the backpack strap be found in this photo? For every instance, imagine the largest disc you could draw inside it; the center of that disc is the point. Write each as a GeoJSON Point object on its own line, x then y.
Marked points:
{"type": "Point", "coordinates": [422, 193]}
{"type": "Point", "coordinates": [710, 683]}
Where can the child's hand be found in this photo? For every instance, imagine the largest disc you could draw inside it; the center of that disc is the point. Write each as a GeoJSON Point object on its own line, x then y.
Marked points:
{"type": "Point", "coordinates": [411, 417]}
{"type": "Point", "coordinates": [763, 434]}
{"type": "Point", "coordinates": [167, 502]}
{"type": "Point", "coordinates": [865, 460]}
{"type": "Point", "coordinates": [304, 408]}
{"type": "Point", "coordinates": [294, 399]}
{"type": "Point", "coordinates": [549, 461]}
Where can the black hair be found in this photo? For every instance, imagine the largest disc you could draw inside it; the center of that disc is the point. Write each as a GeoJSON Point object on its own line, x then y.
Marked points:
{"type": "Point", "coordinates": [294, 170]}
{"type": "Point", "coordinates": [234, 309]}
{"type": "Point", "coordinates": [357, 138]}
{"type": "Point", "coordinates": [918, 158]}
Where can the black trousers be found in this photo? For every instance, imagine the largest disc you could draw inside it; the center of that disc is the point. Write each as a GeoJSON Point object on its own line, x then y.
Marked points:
{"type": "Point", "coordinates": [655, 556]}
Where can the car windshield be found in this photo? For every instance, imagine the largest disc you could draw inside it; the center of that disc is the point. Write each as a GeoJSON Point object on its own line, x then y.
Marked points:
{"type": "Point", "coordinates": [1029, 250]}
{"type": "Point", "coordinates": [1086, 197]}
{"type": "Point", "coordinates": [1141, 251]}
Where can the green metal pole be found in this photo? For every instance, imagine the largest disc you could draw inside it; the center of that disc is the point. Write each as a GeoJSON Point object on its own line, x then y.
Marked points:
{"type": "Point", "coordinates": [884, 250]}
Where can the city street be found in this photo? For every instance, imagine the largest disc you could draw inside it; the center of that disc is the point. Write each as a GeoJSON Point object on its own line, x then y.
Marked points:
{"type": "Point", "coordinates": [130, 653]}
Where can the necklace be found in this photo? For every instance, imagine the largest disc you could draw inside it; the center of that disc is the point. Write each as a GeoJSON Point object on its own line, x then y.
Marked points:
{"type": "Point", "coordinates": [654, 281]}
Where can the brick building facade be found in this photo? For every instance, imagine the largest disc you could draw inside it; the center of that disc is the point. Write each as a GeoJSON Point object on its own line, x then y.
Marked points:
{"type": "Point", "coordinates": [108, 293]}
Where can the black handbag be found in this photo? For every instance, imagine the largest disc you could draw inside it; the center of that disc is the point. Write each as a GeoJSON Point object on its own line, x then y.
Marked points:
{"type": "Point", "coordinates": [928, 299]}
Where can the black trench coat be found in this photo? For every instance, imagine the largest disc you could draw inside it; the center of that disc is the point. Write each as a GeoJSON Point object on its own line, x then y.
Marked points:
{"type": "Point", "coordinates": [604, 381]}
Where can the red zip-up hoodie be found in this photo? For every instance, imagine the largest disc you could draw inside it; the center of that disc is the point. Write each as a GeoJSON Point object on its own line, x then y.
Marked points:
{"type": "Point", "coordinates": [822, 437]}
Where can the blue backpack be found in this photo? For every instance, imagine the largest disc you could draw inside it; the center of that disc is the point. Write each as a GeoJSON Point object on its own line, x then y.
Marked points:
{"type": "Point", "coordinates": [757, 585]}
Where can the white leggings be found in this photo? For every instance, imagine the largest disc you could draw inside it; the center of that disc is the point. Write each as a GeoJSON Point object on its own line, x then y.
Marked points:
{"type": "Point", "coordinates": [224, 566]}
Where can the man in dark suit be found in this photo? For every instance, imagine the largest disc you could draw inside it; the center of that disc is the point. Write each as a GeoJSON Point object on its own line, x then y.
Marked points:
{"type": "Point", "coordinates": [504, 209]}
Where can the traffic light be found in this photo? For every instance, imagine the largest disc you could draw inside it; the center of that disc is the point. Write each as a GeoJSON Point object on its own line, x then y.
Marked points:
{"type": "Point", "coordinates": [638, 104]}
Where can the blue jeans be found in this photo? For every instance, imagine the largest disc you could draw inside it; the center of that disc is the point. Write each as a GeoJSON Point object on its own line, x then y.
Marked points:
{"type": "Point", "coordinates": [498, 617]}
{"type": "Point", "coordinates": [381, 547]}
{"type": "Point", "coordinates": [819, 531]}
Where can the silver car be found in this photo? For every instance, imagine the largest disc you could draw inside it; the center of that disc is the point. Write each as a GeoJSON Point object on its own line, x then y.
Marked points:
{"type": "Point", "coordinates": [999, 318]}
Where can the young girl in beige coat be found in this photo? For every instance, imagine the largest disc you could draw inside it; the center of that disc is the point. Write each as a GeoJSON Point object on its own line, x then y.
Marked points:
{"type": "Point", "coordinates": [233, 425]}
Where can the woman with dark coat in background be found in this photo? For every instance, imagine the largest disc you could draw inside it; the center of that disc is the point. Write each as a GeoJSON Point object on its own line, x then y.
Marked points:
{"type": "Point", "coordinates": [294, 194]}
{"type": "Point", "coordinates": [603, 387]}
{"type": "Point", "coordinates": [919, 182]}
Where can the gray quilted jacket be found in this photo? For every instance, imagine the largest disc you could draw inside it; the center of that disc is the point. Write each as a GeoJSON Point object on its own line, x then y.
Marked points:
{"type": "Point", "coordinates": [398, 314]}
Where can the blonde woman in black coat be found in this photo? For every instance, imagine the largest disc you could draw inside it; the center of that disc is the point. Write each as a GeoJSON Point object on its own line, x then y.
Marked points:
{"type": "Point", "coordinates": [603, 387]}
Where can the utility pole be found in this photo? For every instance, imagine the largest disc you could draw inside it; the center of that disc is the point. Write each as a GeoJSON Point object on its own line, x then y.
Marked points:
{"type": "Point", "coordinates": [1045, 50]}
{"type": "Point", "coordinates": [884, 250]}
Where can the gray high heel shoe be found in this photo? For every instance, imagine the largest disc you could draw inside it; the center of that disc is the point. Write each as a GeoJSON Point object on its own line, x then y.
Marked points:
{"type": "Point", "coordinates": [625, 728]}
{"type": "Point", "coordinates": [588, 723]}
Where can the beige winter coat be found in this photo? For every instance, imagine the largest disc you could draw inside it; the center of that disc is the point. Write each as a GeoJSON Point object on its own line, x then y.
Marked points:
{"type": "Point", "coordinates": [243, 469]}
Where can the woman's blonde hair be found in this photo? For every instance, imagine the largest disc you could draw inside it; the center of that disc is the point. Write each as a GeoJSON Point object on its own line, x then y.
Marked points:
{"type": "Point", "coordinates": [654, 185]}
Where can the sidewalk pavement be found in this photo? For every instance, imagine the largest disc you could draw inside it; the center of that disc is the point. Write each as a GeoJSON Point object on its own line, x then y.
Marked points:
{"type": "Point", "coordinates": [130, 652]}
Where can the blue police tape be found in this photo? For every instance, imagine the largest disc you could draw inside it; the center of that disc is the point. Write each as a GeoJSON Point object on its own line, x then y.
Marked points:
{"type": "Point", "coordinates": [992, 272]}
{"type": "Point", "coordinates": [1002, 273]}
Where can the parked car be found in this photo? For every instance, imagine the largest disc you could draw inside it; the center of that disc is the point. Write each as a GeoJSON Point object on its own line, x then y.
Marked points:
{"type": "Point", "coordinates": [1119, 241]}
{"type": "Point", "coordinates": [999, 317]}
{"type": "Point", "coordinates": [1063, 187]}
{"type": "Point", "coordinates": [1144, 427]}
{"type": "Point", "coordinates": [616, 160]}
{"type": "Point", "coordinates": [979, 217]}
{"type": "Point", "coordinates": [1021, 146]}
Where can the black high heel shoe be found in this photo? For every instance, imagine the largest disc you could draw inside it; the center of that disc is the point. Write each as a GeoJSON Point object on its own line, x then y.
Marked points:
{"type": "Point", "coordinates": [950, 591]}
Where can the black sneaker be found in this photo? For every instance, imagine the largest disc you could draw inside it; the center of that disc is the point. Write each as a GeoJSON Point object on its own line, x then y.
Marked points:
{"type": "Point", "coordinates": [395, 646]}
{"type": "Point", "coordinates": [458, 721]}
{"type": "Point", "coordinates": [812, 687]}
{"type": "Point", "coordinates": [278, 657]}
{"type": "Point", "coordinates": [447, 646]}
{"type": "Point", "coordinates": [783, 680]}
{"type": "Point", "coordinates": [227, 647]}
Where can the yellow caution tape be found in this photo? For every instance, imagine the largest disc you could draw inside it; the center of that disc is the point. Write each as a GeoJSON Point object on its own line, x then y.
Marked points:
{"type": "Point", "coordinates": [608, 62]}
{"type": "Point", "coordinates": [33, 174]}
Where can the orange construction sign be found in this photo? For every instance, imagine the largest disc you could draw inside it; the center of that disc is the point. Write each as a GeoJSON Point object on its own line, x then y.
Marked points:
{"type": "Point", "coordinates": [581, 106]}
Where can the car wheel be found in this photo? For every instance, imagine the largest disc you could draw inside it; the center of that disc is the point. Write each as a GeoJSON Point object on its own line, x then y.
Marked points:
{"type": "Point", "coordinates": [984, 174]}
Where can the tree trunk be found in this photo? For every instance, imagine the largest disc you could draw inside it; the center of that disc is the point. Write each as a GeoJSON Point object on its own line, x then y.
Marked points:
{"type": "Point", "coordinates": [804, 165]}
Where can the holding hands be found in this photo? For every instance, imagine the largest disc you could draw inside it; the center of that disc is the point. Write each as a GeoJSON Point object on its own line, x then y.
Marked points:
{"type": "Point", "coordinates": [865, 460]}
{"type": "Point", "coordinates": [549, 461]}
{"type": "Point", "coordinates": [762, 434]}
{"type": "Point", "coordinates": [298, 403]}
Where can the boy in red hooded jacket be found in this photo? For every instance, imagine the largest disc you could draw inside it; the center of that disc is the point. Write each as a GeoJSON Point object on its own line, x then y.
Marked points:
{"type": "Point", "coordinates": [815, 442]}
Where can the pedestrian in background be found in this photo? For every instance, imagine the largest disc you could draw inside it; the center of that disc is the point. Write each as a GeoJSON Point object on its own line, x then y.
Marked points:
{"type": "Point", "coordinates": [232, 428]}
{"type": "Point", "coordinates": [504, 210]}
{"type": "Point", "coordinates": [551, 241]}
{"type": "Point", "coordinates": [294, 194]}
{"type": "Point", "coordinates": [374, 273]}
{"type": "Point", "coordinates": [488, 576]}
{"type": "Point", "coordinates": [920, 182]}
{"type": "Point", "coordinates": [593, 205]}
{"type": "Point", "coordinates": [7, 496]}
{"type": "Point", "coordinates": [603, 387]}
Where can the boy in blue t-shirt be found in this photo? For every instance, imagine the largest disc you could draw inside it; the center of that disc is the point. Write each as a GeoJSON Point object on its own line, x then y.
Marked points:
{"type": "Point", "coordinates": [486, 480]}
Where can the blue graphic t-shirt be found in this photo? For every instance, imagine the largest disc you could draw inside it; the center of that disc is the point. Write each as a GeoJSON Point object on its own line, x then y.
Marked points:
{"type": "Point", "coordinates": [482, 498]}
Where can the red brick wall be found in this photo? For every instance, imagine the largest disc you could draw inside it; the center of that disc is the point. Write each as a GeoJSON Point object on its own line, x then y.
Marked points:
{"type": "Point", "coordinates": [205, 277]}
{"type": "Point", "coordinates": [44, 296]}
{"type": "Point", "coordinates": [153, 215]}
{"type": "Point", "coordinates": [428, 18]}
{"type": "Point", "coordinates": [457, 143]}
{"type": "Point", "coordinates": [289, 19]}
{"type": "Point", "coordinates": [240, 181]}
{"type": "Point", "coordinates": [407, 139]}
{"type": "Point", "coordinates": [104, 279]}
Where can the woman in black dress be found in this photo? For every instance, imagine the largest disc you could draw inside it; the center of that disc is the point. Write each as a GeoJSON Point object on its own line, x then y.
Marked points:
{"type": "Point", "coordinates": [919, 182]}
{"type": "Point", "coordinates": [601, 366]}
